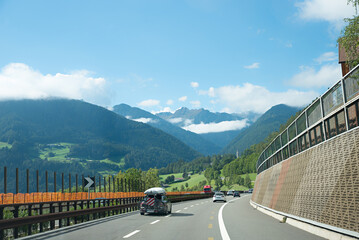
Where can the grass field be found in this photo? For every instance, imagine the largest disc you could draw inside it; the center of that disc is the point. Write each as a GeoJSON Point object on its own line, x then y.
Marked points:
{"type": "Point", "coordinates": [196, 178]}
{"type": "Point", "coordinates": [193, 181]}
{"type": "Point", "coordinates": [3, 145]}
{"type": "Point", "coordinates": [59, 153]}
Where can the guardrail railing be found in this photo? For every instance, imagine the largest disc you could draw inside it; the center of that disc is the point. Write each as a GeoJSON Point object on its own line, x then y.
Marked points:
{"type": "Point", "coordinates": [23, 219]}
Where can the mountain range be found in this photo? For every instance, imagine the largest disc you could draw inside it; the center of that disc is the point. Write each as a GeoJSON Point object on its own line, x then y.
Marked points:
{"type": "Point", "coordinates": [191, 139]}
{"type": "Point", "coordinates": [97, 139]}
{"type": "Point", "coordinates": [218, 128]}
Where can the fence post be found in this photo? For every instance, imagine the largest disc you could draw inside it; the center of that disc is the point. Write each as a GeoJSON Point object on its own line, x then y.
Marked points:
{"type": "Point", "coordinates": [5, 180]}
{"type": "Point", "coordinates": [77, 183]}
{"type": "Point", "coordinates": [17, 180]}
{"type": "Point", "coordinates": [62, 182]}
{"type": "Point", "coordinates": [27, 180]}
{"type": "Point", "coordinates": [99, 183]}
{"type": "Point", "coordinates": [70, 190]}
{"type": "Point", "coordinates": [47, 181]}
{"type": "Point", "coordinates": [94, 184]}
{"type": "Point", "coordinates": [37, 180]}
{"type": "Point", "coordinates": [104, 183]}
{"type": "Point", "coordinates": [113, 183]}
{"type": "Point", "coordinates": [83, 179]}
{"type": "Point", "coordinates": [54, 181]}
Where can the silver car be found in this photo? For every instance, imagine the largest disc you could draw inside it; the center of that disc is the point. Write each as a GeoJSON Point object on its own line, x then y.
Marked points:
{"type": "Point", "coordinates": [219, 196]}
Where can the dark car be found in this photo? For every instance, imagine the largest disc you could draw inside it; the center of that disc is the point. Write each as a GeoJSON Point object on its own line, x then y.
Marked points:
{"type": "Point", "coordinates": [236, 194]}
{"type": "Point", "coordinates": [155, 201]}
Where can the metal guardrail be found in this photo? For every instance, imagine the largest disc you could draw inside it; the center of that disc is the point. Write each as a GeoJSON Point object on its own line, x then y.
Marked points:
{"type": "Point", "coordinates": [43, 216]}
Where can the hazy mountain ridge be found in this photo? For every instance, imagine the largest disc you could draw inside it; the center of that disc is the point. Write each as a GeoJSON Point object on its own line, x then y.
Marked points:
{"type": "Point", "coordinates": [195, 118]}
{"type": "Point", "coordinates": [191, 139]}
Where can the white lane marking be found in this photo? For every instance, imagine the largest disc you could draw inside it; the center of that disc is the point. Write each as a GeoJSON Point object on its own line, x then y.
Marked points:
{"type": "Point", "coordinates": [168, 215]}
{"type": "Point", "coordinates": [155, 222]}
{"type": "Point", "coordinates": [197, 204]}
{"type": "Point", "coordinates": [185, 208]}
{"type": "Point", "coordinates": [192, 205]}
{"type": "Point", "coordinates": [130, 234]}
{"type": "Point", "coordinates": [178, 210]}
{"type": "Point", "coordinates": [222, 227]}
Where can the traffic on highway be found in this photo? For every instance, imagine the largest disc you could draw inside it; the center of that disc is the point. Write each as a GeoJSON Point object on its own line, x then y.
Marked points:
{"type": "Point", "coordinates": [196, 219]}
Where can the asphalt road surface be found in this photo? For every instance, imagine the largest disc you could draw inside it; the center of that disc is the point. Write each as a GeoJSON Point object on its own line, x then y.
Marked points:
{"type": "Point", "coordinates": [198, 219]}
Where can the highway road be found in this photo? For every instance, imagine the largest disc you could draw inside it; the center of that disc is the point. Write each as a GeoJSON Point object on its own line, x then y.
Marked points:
{"type": "Point", "coordinates": [198, 219]}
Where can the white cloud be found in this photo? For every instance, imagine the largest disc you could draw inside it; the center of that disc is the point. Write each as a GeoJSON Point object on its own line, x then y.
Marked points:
{"type": "Point", "coordinates": [252, 66]}
{"type": "Point", "coordinates": [165, 109]}
{"type": "Point", "coordinates": [326, 76]}
{"type": "Point", "coordinates": [175, 120]}
{"type": "Point", "coordinates": [258, 99]}
{"type": "Point", "coordinates": [327, 57]}
{"type": "Point", "coordinates": [169, 102]}
{"type": "Point", "coordinates": [19, 81]}
{"type": "Point", "coordinates": [333, 11]}
{"type": "Point", "coordinates": [145, 120]}
{"type": "Point", "coordinates": [217, 127]}
{"type": "Point", "coordinates": [183, 99]}
{"type": "Point", "coordinates": [195, 104]}
{"type": "Point", "coordinates": [194, 84]}
{"type": "Point", "coordinates": [149, 103]}
{"type": "Point", "coordinates": [210, 92]}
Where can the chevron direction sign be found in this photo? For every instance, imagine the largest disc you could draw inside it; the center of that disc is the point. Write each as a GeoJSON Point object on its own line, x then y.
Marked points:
{"type": "Point", "coordinates": [89, 182]}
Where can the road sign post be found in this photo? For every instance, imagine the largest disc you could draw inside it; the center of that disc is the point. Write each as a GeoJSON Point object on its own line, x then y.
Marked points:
{"type": "Point", "coordinates": [89, 182]}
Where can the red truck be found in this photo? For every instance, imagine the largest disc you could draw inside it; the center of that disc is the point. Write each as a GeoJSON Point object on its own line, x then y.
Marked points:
{"type": "Point", "coordinates": [207, 189]}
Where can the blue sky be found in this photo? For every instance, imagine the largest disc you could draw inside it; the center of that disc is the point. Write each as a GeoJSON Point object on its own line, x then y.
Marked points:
{"type": "Point", "coordinates": [230, 55]}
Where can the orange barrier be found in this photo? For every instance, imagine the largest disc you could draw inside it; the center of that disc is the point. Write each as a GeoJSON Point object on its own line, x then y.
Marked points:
{"type": "Point", "coordinates": [10, 198]}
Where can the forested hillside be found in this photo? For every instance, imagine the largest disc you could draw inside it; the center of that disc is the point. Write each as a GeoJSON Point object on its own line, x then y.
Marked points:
{"type": "Point", "coordinates": [269, 122]}
{"type": "Point", "coordinates": [94, 132]}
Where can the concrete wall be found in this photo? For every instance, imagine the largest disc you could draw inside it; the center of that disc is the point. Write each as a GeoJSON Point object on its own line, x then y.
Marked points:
{"type": "Point", "coordinates": [320, 184]}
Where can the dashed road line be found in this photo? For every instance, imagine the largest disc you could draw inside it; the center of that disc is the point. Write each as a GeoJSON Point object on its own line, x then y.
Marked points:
{"type": "Point", "coordinates": [211, 217]}
{"type": "Point", "coordinates": [185, 208]}
{"type": "Point", "coordinates": [154, 222]}
{"type": "Point", "coordinates": [169, 215]}
{"type": "Point", "coordinates": [178, 210]}
{"type": "Point", "coordinates": [131, 234]}
{"type": "Point", "coordinates": [192, 205]}
{"type": "Point", "coordinates": [210, 226]}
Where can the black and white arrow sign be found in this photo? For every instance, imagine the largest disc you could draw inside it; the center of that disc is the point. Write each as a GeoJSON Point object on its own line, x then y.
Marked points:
{"type": "Point", "coordinates": [89, 182]}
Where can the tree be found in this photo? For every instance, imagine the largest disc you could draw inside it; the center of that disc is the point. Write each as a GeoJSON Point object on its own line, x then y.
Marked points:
{"type": "Point", "coordinates": [349, 38]}
{"type": "Point", "coordinates": [151, 178]}
{"type": "Point", "coordinates": [186, 185]}
{"type": "Point", "coordinates": [247, 181]}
